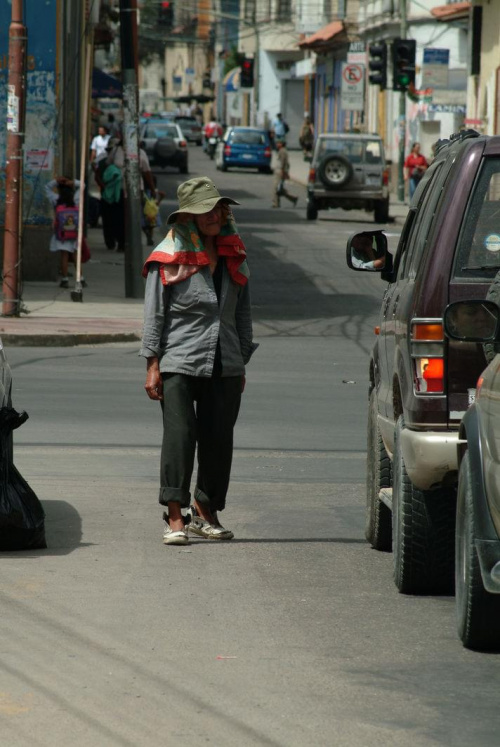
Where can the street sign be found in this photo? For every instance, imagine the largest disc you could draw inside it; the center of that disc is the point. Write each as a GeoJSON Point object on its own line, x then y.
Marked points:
{"type": "Point", "coordinates": [435, 68]}
{"type": "Point", "coordinates": [352, 87]}
{"type": "Point", "coordinates": [189, 74]}
{"type": "Point", "coordinates": [357, 53]}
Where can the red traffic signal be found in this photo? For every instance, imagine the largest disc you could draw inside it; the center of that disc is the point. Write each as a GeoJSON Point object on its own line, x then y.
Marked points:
{"type": "Point", "coordinates": [246, 75]}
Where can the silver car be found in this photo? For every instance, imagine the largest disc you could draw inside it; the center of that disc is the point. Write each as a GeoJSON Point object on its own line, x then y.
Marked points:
{"type": "Point", "coordinates": [349, 171]}
{"type": "Point", "coordinates": [165, 144]}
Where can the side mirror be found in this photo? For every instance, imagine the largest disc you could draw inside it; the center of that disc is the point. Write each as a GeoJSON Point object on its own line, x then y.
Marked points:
{"type": "Point", "coordinates": [472, 321]}
{"type": "Point", "coordinates": [368, 252]}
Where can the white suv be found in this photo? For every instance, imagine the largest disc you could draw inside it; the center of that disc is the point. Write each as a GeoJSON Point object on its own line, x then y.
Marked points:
{"type": "Point", "coordinates": [349, 171]}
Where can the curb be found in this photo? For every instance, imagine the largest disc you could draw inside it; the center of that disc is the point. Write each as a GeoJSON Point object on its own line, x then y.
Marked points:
{"type": "Point", "coordinates": [71, 339]}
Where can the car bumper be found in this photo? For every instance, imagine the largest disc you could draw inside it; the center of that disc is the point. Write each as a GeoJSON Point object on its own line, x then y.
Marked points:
{"type": "Point", "coordinates": [342, 195]}
{"type": "Point", "coordinates": [429, 456]}
{"type": "Point", "coordinates": [258, 163]}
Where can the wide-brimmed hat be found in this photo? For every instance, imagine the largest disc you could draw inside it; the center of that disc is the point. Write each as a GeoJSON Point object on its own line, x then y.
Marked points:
{"type": "Point", "coordinates": [198, 196]}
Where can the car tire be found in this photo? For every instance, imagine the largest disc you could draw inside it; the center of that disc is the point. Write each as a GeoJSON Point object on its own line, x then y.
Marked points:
{"type": "Point", "coordinates": [198, 142]}
{"type": "Point", "coordinates": [381, 213]}
{"type": "Point", "coordinates": [223, 167]}
{"type": "Point", "coordinates": [477, 611]}
{"type": "Point", "coordinates": [492, 348]}
{"type": "Point", "coordinates": [183, 169]}
{"type": "Point", "coordinates": [378, 527]}
{"type": "Point", "coordinates": [423, 524]}
{"type": "Point", "coordinates": [311, 210]}
{"type": "Point", "coordinates": [335, 171]}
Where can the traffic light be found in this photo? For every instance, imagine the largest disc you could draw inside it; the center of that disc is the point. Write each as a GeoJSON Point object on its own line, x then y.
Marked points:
{"type": "Point", "coordinates": [378, 64]}
{"type": "Point", "coordinates": [166, 13]}
{"type": "Point", "coordinates": [246, 76]}
{"type": "Point", "coordinates": [403, 63]}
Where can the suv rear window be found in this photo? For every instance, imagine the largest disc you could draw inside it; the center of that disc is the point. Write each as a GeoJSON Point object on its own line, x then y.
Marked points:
{"type": "Point", "coordinates": [159, 130]}
{"type": "Point", "coordinates": [353, 150]}
{"type": "Point", "coordinates": [478, 254]}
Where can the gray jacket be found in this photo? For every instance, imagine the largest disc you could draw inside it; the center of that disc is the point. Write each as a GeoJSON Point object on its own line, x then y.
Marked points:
{"type": "Point", "coordinates": [182, 323]}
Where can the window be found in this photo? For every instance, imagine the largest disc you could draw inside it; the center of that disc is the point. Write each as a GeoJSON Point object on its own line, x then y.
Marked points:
{"type": "Point", "coordinates": [159, 130]}
{"type": "Point", "coordinates": [284, 10]}
{"type": "Point", "coordinates": [478, 254]}
{"type": "Point", "coordinates": [248, 138]}
{"type": "Point", "coordinates": [250, 11]}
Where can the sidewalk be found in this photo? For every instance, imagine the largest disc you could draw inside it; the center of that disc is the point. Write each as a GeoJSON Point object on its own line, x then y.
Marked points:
{"type": "Point", "coordinates": [51, 318]}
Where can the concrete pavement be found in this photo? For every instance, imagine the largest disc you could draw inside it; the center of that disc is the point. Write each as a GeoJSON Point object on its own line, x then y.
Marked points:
{"type": "Point", "coordinates": [50, 317]}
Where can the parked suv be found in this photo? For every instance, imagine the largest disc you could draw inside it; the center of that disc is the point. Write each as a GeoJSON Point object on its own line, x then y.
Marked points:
{"type": "Point", "coordinates": [349, 172]}
{"type": "Point", "coordinates": [477, 532]}
{"type": "Point", "coordinates": [421, 384]}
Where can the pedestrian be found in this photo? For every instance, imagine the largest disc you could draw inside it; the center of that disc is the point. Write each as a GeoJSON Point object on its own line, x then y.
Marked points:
{"type": "Point", "coordinates": [151, 212]}
{"type": "Point", "coordinates": [281, 174]}
{"type": "Point", "coordinates": [197, 340]}
{"type": "Point", "coordinates": [279, 130]}
{"type": "Point", "coordinates": [99, 144]}
{"type": "Point", "coordinates": [306, 137]}
{"type": "Point", "coordinates": [111, 179]}
{"type": "Point", "coordinates": [414, 167]}
{"type": "Point", "coordinates": [64, 195]}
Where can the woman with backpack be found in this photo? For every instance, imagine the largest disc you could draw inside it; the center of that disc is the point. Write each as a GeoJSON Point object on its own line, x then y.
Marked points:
{"type": "Point", "coordinates": [65, 202]}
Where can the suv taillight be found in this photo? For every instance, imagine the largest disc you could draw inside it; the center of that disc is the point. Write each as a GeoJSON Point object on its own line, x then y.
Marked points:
{"type": "Point", "coordinates": [385, 177]}
{"type": "Point", "coordinates": [267, 153]}
{"type": "Point", "coordinates": [427, 352]}
{"type": "Point", "coordinates": [312, 175]}
{"type": "Point", "coordinates": [227, 150]}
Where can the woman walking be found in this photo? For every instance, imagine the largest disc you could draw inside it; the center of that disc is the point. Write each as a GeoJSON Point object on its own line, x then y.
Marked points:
{"type": "Point", "coordinates": [197, 339]}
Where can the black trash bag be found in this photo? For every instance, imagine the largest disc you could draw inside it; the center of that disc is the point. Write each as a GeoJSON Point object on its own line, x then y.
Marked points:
{"type": "Point", "coordinates": [22, 518]}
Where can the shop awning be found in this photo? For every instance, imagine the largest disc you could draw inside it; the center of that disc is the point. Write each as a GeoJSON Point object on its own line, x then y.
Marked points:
{"type": "Point", "coordinates": [324, 36]}
{"type": "Point", "coordinates": [451, 12]}
{"type": "Point", "coordinates": [231, 81]}
{"type": "Point", "coordinates": [104, 86]}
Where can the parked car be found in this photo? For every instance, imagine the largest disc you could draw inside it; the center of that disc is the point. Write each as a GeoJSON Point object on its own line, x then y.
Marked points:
{"type": "Point", "coordinates": [245, 147]}
{"type": "Point", "coordinates": [420, 383]}
{"type": "Point", "coordinates": [349, 172]}
{"type": "Point", "coordinates": [165, 144]}
{"type": "Point", "coordinates": [190, 127]}
{"type": "Point", "coordinates": [477, 532]}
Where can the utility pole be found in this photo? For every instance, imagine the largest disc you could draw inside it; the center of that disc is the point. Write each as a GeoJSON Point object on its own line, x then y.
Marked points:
{"type": "Point", "coordinates": [134, 287]}
{"type": "Point", "coordinates": [402, 111]}
{"type": "Point", "coordinates": [14, 161]}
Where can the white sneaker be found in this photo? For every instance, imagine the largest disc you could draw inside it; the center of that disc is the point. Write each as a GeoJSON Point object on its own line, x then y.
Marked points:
{"type": "Point", "coordinates": [170, 537]}
{"type": "Point", "coordinates": [202, 528]}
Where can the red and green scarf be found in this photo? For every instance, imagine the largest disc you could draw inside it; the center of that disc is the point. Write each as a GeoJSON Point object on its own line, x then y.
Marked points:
{"type": "Point", "coordinates": [181, 253]}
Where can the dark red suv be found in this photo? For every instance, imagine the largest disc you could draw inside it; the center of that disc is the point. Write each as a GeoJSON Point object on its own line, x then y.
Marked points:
{"type": "Point", "coordinates": [421, 383]}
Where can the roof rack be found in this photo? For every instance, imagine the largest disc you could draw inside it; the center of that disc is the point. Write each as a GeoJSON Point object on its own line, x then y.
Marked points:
{"type": "Point", "coordinates": [457, 136]}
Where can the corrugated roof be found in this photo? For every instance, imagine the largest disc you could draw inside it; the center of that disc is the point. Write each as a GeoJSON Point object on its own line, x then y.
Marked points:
{"type": "Point", "coordinates": [326, 34]}
{"type": "Point", "coordinates": [451, 12]}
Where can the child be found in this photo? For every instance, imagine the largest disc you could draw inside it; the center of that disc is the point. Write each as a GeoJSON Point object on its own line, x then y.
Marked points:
{"type": "Point", "coordinates": [64, 239]}
{"type": "Point", "coordinates": [151, 212]}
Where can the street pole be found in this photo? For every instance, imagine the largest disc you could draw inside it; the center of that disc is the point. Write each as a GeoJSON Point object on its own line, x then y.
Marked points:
{"type": "Point", "coordinates": [16, 89]}
{"type": "Point", "coordinates": [134, 286]}
{"type": "Point", "coordinates": [402, 111]}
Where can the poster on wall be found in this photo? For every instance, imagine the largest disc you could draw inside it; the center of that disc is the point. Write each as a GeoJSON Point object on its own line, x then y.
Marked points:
{"type": "Point", "coordinates": [41, 115]}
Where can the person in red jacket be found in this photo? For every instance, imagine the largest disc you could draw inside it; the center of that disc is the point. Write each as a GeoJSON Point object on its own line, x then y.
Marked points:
{"type": "Point", "coordinates": [415, 166]}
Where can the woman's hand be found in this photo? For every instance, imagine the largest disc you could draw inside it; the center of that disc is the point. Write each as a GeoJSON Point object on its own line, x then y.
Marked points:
{"type": "Point", "coordinates": [154, 382]}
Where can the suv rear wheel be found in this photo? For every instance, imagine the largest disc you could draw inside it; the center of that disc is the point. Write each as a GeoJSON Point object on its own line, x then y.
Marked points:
{"type": "Point", "coordinates": [423, 523]}
{"type": "Point", "coordinates": [335, 171]}
{"type": "Point", "coordinates": [378, 525]}
{"type": "Point", "coordinates": [312, 210]}
{"type": "Point", "coordinates": [381, 214]}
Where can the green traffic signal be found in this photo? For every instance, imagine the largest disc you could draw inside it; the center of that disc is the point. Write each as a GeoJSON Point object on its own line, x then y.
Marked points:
{"type": "Point", "coordinates": [403, 63]}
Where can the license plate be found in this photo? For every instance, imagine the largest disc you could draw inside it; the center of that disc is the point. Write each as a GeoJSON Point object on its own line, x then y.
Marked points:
{"type": "Point", "coordinates": [249, 156]}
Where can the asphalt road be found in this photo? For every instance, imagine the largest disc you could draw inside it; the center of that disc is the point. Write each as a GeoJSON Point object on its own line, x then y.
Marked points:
{"type": "Point", "coordinates": [291, 635]}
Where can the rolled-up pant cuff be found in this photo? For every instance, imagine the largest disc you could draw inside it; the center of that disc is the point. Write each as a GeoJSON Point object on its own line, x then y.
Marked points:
{"type": "Point", "coordinates": [174, 495]}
